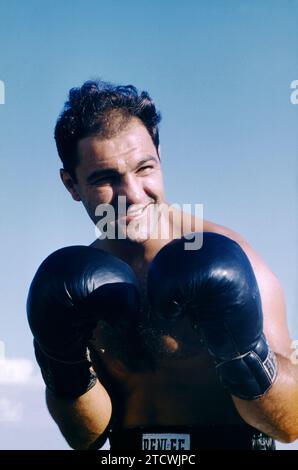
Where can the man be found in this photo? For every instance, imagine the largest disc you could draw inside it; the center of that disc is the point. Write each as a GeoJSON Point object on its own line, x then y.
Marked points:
{"type": "Point", "coordinates": [189, 348]}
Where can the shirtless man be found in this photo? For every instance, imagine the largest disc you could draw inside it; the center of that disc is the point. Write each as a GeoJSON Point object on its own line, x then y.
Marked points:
{"type": "Point", "coordinates": [126, 336]}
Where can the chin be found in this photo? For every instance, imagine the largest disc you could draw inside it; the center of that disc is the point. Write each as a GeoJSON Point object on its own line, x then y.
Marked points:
{"type": "Point", "coordinates": [139, 236]}
{"type": "Point", "coordinates": [141, 229]}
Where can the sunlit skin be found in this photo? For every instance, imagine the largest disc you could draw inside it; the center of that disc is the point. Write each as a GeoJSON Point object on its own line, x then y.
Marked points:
{"type": "Point", "coordinates": [176, 393]}
{"type": "Point", "coordinates": [125, 165]}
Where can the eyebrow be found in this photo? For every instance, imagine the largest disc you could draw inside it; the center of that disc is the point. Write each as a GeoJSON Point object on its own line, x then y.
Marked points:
{"type": "Point", "coordinates": [112, 172]}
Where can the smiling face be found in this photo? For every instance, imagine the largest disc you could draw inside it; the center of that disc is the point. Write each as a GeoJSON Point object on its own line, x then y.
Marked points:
{"type": "Point", "coordinates": [124, 165]}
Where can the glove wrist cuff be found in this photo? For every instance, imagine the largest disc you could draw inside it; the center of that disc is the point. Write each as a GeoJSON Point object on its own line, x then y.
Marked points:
{"type": "Point", "coordinates": [66, 380]}
{"type": "Point", "coordinates": [250, 375]}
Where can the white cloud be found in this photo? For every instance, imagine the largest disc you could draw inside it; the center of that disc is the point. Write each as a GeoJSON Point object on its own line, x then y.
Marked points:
{"type": "Point", "coordinates": [16, 376]}
{"type": "Point", "coordinates": [18, 371]}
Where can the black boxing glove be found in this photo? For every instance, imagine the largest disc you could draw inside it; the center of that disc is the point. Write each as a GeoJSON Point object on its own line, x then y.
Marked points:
{"type": "Point", "coordinates": [217, 287]}
{"type": "Point", "coordinates": [73, 289]}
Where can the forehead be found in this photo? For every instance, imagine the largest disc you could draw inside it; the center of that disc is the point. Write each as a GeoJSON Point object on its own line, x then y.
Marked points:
{"type": "Point", "coordinates": [128, 146]}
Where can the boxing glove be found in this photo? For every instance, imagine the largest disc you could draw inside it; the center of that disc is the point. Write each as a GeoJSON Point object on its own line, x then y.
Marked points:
{"type": "Point", "coordinates": [216, 286]}
{"type": "Point", "coordinates": [72, 290]}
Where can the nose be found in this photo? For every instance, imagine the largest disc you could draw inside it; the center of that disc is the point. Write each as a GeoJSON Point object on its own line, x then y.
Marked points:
{"type": "Point", "coordinates": [132, 188]}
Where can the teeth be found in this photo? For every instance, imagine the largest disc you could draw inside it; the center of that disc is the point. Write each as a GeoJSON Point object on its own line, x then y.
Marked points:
{"type": "Point", "coordinates": [135, 212]}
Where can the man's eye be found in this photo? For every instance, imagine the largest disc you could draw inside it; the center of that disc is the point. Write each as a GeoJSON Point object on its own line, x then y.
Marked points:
{"type": "Point", "coordinates": [147, 167]}
{"type": "Point", "coordinates": [104, 180]}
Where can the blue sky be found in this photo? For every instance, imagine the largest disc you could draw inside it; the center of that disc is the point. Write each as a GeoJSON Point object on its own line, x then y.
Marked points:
{"type": "Point", "coordinates": [220, 72]}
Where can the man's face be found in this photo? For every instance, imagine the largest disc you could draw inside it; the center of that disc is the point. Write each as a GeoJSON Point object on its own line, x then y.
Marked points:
{"type": "Point", "coordinates": [125, 165]}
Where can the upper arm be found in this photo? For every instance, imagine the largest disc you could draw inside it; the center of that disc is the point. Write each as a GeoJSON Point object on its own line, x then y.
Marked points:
{"type": "Point", "coordinates": [273, 304]}
{"type": "Point", "coordinates": [272, 296]}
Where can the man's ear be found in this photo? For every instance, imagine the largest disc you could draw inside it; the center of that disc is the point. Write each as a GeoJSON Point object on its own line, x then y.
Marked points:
{"type": "Point", "coordinates": [159, 151]}
{"type": "Point", "coordinates": [69, 184]}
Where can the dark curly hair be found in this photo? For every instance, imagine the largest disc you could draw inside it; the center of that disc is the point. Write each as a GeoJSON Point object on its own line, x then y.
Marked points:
{"type": "Point", "coordinates": [103, 109]}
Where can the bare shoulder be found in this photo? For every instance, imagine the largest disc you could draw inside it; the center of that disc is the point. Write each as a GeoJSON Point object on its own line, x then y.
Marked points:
{"type": "Point", "coordinates": [272, 295]}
